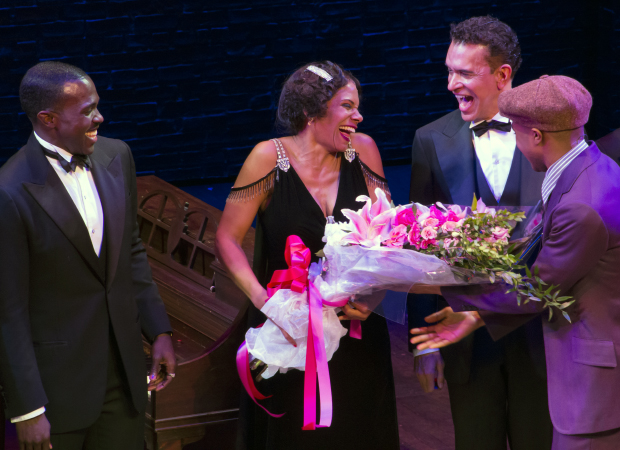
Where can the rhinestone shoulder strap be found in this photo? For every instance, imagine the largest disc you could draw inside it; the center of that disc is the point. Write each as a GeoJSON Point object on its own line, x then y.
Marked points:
{"type": "Point", "coordinates": [283, 163]}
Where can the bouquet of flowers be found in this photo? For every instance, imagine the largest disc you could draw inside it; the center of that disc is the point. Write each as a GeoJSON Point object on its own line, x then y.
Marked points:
{"type": "Point", "coordinates": [393, 247]}
{"type": "Point", "coordinates": [381, 247]}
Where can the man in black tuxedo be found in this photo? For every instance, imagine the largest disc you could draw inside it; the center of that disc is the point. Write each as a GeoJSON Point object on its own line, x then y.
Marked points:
{"type": "Point", "coordinates": [497, 389]}
{"type": "Point", "coordinates": [76, 292]}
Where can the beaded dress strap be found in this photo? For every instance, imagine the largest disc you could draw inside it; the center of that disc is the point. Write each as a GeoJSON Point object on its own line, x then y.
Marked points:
{"type": "Point", "coordinates": [265, 184]}
{"type": "Point", "coordinates": [372, 179]}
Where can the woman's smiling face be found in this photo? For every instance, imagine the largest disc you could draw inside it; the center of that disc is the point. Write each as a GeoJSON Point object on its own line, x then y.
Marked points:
{"type": "Point", "coordinates": [341, 119]}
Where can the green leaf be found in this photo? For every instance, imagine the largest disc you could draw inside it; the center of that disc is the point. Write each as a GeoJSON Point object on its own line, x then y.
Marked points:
{"type": "Point", "coordinates": [474, 203]}
{"type": "Point", "coordinates": [528, 273]}
{"type": "Point", "coordinates": [536, 299]}
{"type": "Point", "coordinates": [566, 316]}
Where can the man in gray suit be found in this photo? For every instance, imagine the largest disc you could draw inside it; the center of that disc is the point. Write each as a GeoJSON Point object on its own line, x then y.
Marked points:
{"type": "Point", "coordinates": [580, 255]}
{"type": "Point", "coordinates": [497, 389]}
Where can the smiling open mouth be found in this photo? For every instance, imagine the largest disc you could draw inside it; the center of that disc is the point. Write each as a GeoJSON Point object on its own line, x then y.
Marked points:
{"type": "Point", "coordinates": [91, 134]}
{"type": "Point", "coordinates": [346, 132]}
{"type": "Point", "coordinates": [465, 101]}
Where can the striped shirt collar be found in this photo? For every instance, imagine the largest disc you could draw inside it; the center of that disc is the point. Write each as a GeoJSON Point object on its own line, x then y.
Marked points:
{"type": "Point", "coordinates": [555, 170]}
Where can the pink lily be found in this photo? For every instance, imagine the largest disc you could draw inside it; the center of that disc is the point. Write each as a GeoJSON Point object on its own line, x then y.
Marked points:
{"type": "Point", "coordinates": [372, 224]}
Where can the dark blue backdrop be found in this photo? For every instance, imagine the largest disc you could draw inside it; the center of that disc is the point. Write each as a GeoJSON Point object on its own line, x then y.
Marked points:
{"type": "Point", "coordinates": [192, 85]}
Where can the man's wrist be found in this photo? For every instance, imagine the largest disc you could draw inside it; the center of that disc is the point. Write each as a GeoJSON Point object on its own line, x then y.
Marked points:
{"type": "Point", "coordinates": [165, 333]}
{"type": "Point", "coordinates": [417, 352]}
{"type": "Point", "coordinates": [30, 415]}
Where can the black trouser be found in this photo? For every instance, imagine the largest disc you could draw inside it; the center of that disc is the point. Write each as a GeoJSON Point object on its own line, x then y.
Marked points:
{"type": "Point", "coordinates": [505, 397]}
{"type": "Point", "coordinates": [119, 425]}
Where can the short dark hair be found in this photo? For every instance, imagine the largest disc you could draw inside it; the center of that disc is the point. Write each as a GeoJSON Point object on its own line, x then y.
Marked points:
{"type": "Point", "coordinates": [498, 37]}
{"type": "Point", "coordinates": [305, 95]}
{"type": "Point", "coordinates": [42, 86]}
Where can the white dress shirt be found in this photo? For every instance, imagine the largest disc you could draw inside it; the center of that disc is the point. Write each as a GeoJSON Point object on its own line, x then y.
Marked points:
{"type": "Point", "coordinates": [81, 187]}
{"type": "Point", "coordinates": [495, 150]}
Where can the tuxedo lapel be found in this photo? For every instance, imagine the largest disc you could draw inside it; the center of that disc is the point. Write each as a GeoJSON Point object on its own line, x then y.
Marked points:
{"type": "Point", "coordinates": [107, 174]}
{"type": "Point", "coordinates": [455, 153]}
{"type": "Point", "coordinates": [52, 196]}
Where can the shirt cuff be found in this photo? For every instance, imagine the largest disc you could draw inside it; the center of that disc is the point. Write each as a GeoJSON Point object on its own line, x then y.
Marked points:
{"type": "Point", "coordinates": [417, 352]}
{"type": "Point", "coordinates": [35, 413]}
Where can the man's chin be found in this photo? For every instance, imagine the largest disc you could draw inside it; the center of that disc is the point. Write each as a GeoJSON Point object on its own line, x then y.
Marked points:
{"type": "Point", "coordinates": [468, 116]}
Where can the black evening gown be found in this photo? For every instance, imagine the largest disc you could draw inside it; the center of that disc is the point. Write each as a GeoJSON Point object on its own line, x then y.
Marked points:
{"type": "Point", "coordinates": [364, 402]}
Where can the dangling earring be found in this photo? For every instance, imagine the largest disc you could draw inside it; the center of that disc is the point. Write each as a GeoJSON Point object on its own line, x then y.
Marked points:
{"type": "Point", "coordinates": [310, 121]}
{"type": "Point", "coordinates": [349, 153]}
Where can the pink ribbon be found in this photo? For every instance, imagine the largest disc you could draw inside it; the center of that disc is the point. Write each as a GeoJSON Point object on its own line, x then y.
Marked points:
{"type": "Point", "coordinates": [298, 258]}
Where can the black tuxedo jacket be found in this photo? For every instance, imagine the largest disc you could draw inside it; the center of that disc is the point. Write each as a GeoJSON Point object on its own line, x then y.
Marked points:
{"type": "Point", "coordinates": [444, 169]}
{"type": "Point", "coordinates": [57, 302]}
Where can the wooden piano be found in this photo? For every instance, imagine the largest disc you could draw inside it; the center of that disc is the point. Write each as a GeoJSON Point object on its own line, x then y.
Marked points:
{"type": "Point", "coordinates": [199, 409]}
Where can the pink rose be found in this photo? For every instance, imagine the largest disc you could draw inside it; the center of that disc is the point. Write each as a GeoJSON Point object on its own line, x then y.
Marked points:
{"type": "Point", "coordinates": [428, 233]}
{"type": "Point", "coordinates": [430, 222]}
{"type": "Point", "coordinates": [435, 213]}
{"type": "Point", "coordinates": [425, 244]}
{"type": "Point", "coordinates": [396, 238]}
{"type": "Point", "coordinates": [405, 217]}
{"type": "Point", "coordinates": [491, 240]}
{"type": "Point", "coordinates": [500, 233]}
{"type": "Point", "coordinates": [449, 226]}
{"type": "Point", "coordinates": [414, 235]}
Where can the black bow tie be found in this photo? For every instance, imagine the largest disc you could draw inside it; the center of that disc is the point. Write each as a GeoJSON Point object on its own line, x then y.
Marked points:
{"type": "Point", "coordinates": [485, 126]}
{"type": "Point", "coordinates": [76, 160]}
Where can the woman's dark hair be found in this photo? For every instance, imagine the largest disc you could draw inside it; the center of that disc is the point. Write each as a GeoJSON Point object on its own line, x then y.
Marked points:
{"type": "Point", "coordinates": [494, 34]}
{"type": "Point", "coordinates": [305, 95]}
{"type": "Point", "coordinates": [42, 86]}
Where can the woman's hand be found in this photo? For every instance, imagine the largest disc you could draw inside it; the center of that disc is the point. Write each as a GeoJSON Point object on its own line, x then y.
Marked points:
{"type": "Point", "coordinates": [355, 311]}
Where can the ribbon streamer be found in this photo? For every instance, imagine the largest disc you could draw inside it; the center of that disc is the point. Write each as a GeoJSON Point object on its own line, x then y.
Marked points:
{"type": "Point", "coordinates": [298, 258]}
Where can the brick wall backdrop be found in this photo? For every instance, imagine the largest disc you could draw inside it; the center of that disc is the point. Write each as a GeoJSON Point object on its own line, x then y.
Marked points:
{"type": "Point", "coordinates": [192, 85]}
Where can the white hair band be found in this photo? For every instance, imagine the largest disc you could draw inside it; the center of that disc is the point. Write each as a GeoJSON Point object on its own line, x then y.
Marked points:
{"type": "Point", "coordinates": [320, 72]}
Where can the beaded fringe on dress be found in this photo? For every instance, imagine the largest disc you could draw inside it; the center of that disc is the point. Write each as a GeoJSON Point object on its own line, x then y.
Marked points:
{"type": "Point", "coordinates": [246, 193]}
{"type": "Point", "coordinates": [373, 180]}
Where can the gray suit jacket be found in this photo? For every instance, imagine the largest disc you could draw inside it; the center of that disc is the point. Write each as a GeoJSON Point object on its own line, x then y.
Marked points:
{"type": "Point", "coordinates": [581, 255]}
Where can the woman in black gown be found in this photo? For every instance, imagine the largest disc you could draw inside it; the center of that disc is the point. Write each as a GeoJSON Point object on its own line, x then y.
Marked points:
{"type": "Point", "coordinates": [294, 184]}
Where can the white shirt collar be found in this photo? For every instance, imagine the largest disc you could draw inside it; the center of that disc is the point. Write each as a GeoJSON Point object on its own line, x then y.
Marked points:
{"type": "Point", "coordinates": [497, 117]}
{"type": "Point", "coordinates": [555, 170]}
{"type": "Point", "coordinates": [65, 154]}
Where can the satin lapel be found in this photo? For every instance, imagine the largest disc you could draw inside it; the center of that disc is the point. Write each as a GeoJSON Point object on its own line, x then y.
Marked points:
{"type": "Point", "coordinates": [455, 153]}
{"type": "Point", "coordinates": [111, 188]}
{"type": "Point", "coordinates": [54, 199]}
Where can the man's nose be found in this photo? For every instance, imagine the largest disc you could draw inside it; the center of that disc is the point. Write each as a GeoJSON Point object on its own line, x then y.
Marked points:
{"type": "Point", "coordinates": [98, 117]}
{"type": "Point", "coordinates": [453, 82]}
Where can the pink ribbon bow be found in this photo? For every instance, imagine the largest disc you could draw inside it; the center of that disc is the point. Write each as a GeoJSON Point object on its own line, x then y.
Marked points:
{"type": "Point", "coordinates": [298, 258]}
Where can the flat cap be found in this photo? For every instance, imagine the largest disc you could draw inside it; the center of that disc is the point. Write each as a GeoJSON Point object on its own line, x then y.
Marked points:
{"type": "Point", "coordinates": [550, 103]}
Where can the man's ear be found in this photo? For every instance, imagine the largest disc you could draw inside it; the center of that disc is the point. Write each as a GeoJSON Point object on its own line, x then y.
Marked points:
{"type": "Point", "coordinates": [503, 76]}
{"type": "Point", "coordinates": [47, 119]}
{"type": "Point", "coordinates": [537, 135]}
